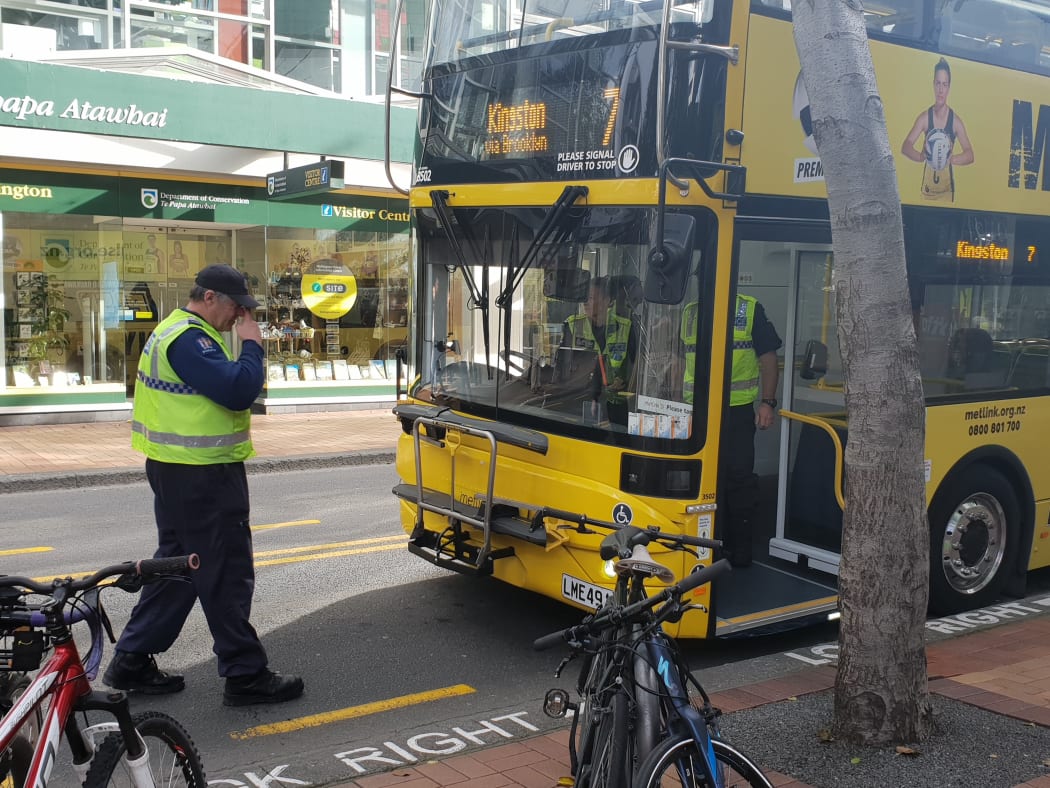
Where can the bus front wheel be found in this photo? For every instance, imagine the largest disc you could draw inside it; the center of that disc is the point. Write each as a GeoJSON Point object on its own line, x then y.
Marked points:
{"type": "Point", "coordinates": [975, 523]}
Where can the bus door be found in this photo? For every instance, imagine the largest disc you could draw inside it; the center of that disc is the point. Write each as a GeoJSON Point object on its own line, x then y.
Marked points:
{"type": "Point", "coordinates": [813, 427]}
{"type": "Point", "coordinates": [796, 533]}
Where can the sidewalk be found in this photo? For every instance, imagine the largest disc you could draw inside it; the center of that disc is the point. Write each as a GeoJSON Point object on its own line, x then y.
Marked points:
{"type": "Point", "coordinates": [998, 674]}
{"type": "Point", "coordinates": [53, 456]}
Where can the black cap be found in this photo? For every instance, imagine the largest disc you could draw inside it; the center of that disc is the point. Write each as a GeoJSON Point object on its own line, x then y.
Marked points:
{"type": "Point", "coordinates": [229, 281]}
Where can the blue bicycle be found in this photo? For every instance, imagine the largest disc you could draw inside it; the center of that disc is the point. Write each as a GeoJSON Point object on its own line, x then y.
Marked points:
{"type": "Point", "coordinates": [636, 723]}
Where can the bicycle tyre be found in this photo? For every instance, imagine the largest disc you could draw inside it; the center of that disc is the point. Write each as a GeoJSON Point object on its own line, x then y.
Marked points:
{"type": "Point", "coordinates": [173, 757]}
{"type": "Point", "coordinates": [15, 760]}
{"type": "Point", "coordinates": [608, 759]}
{"type": "Point", "coordinates": [675, 762]}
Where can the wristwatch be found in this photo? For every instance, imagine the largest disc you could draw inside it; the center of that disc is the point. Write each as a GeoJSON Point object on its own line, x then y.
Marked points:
{"type": "Point", "coordinates": [771, 402]}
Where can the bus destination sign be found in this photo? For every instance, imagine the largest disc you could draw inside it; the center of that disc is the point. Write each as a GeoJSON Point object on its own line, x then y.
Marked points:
{"type": "Point", "coordinates": [579, 135]}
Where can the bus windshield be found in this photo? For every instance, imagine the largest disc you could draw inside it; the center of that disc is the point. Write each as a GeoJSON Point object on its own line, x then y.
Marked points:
{"type": "Point", "coordinates": [468, 28]}
{"type": "Point", "coordinates": [554, 330]}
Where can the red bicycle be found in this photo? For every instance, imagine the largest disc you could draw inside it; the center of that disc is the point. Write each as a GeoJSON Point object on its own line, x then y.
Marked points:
{"type": "Point", "coordinates": [144, 750]}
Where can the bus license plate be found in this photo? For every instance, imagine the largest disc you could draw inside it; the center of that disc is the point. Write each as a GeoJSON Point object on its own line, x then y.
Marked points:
{"type": "Point", "coordinates": [583, 593]}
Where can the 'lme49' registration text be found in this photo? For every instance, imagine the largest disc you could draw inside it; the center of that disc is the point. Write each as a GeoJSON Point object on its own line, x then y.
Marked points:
{"type": "Point", "coordinates": [583, 593]}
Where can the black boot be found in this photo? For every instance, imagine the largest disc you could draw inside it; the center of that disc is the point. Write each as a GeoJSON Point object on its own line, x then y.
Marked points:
{"type": "Point", "coordinates": [139, 673]}
{"type": "Point", "coordinates": [262, 687]}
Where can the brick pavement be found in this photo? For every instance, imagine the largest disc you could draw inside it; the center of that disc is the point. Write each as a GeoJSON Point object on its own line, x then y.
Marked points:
{"type": "Point", "coordinates": [106, 445]}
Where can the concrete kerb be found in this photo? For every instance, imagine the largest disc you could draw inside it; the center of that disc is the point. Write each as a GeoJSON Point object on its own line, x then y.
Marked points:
{"type": "Point", "coordinates": [64, 480]}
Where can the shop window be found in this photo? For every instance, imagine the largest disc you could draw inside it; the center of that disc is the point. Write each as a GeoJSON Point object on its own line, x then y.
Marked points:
{"type": "Point", "coordinates": [62, 301]}
{"type": "Point", "coordinates": [311, 337]}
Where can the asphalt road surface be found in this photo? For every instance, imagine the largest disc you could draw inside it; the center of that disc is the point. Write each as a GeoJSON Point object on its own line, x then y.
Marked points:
{"type": "Point", "coordinates": [402, 662]}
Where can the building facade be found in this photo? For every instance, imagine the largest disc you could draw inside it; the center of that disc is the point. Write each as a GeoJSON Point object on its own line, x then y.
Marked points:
{"type": "Point", "coordinates": [118, 183]}
{"type": "Point", "coordinates": [340, 46]}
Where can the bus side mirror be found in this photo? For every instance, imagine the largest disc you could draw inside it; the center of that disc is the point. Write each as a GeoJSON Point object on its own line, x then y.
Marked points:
{"type": "Point", "coordinates": [670, 261]}
{"type": "Point", "coordinates": [814, 361]}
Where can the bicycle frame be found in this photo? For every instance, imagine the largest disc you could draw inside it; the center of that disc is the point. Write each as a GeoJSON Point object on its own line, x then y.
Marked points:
{"type": "Point", "coordinates": [686, 718]}
{"type": "Point", "coordinates": [65, 677]}
{"type": "Point", "coordinates": [64, 680]}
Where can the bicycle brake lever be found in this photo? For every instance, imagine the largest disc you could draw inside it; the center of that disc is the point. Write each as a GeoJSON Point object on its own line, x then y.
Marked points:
{"type": "Point", "coordinates": [129, 582]}
{"type": "Point", "coordinates": [103, 618]}
{"type": "Point", "coordinates": [565, 661]}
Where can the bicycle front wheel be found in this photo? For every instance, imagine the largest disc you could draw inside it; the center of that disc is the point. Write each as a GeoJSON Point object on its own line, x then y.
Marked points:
{"type": "Point", "coordinates": [606, 765]}
{"type": "Point", "coordinates": [173, 757]}
{"type": "Point", "coordinates": [679, 762]}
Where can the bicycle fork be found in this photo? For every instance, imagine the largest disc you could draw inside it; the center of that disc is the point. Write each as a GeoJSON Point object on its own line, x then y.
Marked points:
{"type": "Point", "coordinates": [116, 705]}
{"type": "Point", "coordinates": [690, 720]}
{"type": "Point", "coordinates": [647, 704]}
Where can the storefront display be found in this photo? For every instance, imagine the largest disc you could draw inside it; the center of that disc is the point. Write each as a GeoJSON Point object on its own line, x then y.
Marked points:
{"type": "Point", "coordinates": [92, 263]}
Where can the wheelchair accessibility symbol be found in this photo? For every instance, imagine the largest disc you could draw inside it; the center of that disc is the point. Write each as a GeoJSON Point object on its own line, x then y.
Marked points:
{"type": "Point", "coordinates": [622, 514]}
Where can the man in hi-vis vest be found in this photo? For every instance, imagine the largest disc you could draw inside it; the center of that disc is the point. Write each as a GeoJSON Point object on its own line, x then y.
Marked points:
{"type": "Point", "coordinates": [754, 372]}
{"type": "Point", "coordinates": [605, 341]}
{"type": "Point", "coordinates": [191, 419]}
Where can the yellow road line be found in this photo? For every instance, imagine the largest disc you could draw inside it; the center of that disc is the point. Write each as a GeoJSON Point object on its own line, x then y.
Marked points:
{"type": "Point", "coordinates": [330, 545]}
{"type": "Point", "coordinates": [292, 554]}
{"type": "Point", "coordinates": [331, 554]}
{"type": "Point", "coordinates": [289, 524]}
{"type": "Point", "coordinates": [352, 712]}
{"type": "Point", "coordinates": [24, 550]}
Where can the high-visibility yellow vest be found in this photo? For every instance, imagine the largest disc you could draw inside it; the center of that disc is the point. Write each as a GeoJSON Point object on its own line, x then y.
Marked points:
{"type": "Point", "coordinates": [173, 422]}
{"type": "Point", "coordinates": [617, 332]}
{"type": "Point", "coordinates": [743, 387]}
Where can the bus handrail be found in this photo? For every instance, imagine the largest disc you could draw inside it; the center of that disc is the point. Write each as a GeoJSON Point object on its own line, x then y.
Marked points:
{"type": "Point", "coordinates": [836, 441]}
{"type": "Point", "coordinates": [389, 89]}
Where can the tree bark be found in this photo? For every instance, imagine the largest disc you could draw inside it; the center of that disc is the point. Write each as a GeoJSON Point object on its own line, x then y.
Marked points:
{"type": "Point", "coordinates": [881, 694]}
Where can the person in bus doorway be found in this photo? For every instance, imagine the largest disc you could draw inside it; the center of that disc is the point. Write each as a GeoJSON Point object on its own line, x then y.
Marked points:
{"type": "Point", "coordinates": [752, 405]}
{"type": "Point", "coordinates": [940, 128]}
{"type": "Point", "coordinates": [605, 336]}
{"type": "Point", "coordinates": [191, 419]}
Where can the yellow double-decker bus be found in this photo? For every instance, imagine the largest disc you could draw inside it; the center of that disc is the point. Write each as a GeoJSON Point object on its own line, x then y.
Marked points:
{"type": "Point", "coordinates": [599, 182]}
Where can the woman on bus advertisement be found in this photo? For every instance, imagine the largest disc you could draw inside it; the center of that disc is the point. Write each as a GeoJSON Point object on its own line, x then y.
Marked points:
{"type": "Point", "coordinates": [941, 128]}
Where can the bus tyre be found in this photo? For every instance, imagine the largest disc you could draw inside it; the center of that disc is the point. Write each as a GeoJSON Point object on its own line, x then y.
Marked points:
{"type": "Point", "coordinates": [975, 524]}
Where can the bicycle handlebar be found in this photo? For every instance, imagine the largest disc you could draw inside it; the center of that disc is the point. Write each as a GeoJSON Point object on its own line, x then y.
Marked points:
{"type": "Point", "coordinates": [621, 541]}
{"type": "Point", "coordinates": [604, 619]}
{"type": "Point", "coordinates": [137, 571]}
{"type": "Point", "coordinates": [651, 533]}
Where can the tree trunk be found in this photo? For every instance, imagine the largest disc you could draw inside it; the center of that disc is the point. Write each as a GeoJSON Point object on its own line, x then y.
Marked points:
{"type": "Point", "coordinates": [881, 696]}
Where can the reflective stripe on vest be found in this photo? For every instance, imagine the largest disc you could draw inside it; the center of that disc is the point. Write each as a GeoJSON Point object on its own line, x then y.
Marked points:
{"type": "Point", "coordinates": [172, 421]}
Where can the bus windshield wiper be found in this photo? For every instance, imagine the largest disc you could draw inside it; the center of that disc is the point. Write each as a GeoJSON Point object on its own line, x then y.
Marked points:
{"type": "Point", "coordinates": [550, 222]}
{"type": "Point", "coordinates": [439, 198]}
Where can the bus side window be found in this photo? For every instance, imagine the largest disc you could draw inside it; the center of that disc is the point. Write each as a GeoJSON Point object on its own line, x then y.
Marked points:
{"type": "Point", "coordinates": [993, 33]}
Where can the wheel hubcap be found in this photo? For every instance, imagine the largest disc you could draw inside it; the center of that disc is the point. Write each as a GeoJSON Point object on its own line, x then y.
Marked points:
{"type": "Point", "coordinates": [974, 543]}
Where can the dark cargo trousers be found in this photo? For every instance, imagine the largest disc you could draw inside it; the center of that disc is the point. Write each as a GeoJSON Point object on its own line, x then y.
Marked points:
{"type": "Point", "coordinates": [201, 509]}
{"type": "Point", "coordinates": [739, 482]}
